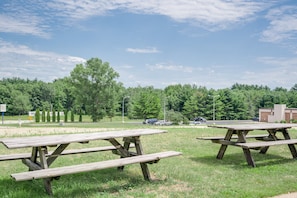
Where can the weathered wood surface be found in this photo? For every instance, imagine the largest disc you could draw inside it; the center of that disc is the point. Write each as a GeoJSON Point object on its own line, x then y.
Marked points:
{"type": "Point", "coordinates": [250, 127]}
{"type": "Point", "coordinates": [264, 144]}
{"type": "Point", "coordinates": [233, 137]}
{"type": "Point", "coordinates": [17, 156]}
{"type": "Point", "coordinates": [55, 172]}
{"type": "Point", "coordinates": [52, 140]}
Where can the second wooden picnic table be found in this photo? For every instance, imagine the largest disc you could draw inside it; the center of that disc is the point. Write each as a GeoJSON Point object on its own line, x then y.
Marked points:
{"type": "Point", "coordinates": [237, 135]}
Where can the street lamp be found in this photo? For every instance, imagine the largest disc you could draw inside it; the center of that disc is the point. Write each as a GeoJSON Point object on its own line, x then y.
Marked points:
{"type": "Point", "coordinates": [123, 108]}
{"type": "Point", "coordinates": [214, 107]}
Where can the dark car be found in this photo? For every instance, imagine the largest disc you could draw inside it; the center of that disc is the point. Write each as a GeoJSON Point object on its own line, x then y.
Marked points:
{"type": "Point", "coordinates": [255, 119]}
{"type": "Point", "coordinates": [150, 121]}
{"type": "Point", "coordinates": [199, 119]}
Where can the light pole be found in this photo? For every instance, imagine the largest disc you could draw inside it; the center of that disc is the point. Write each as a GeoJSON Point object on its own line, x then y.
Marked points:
{"type": "Point", "coordinates": [214, 107]}
{"type": "Point", "coordinates": [123, 108]}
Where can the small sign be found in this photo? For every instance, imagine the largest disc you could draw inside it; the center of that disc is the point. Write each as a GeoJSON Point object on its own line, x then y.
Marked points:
{"type": "Point", "coordinates": [2, 107]}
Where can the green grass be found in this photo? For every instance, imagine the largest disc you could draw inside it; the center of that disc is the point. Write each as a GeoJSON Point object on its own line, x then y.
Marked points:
{"type": "Point", "coordinates": [197, 173]}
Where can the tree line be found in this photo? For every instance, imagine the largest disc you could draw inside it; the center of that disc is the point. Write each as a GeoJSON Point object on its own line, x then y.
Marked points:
{"type": "Point", "coordinates": [92, 89]}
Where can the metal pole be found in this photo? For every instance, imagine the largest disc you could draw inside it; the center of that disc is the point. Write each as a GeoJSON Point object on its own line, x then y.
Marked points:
{"type": "Point", "coordinates": [213, 108]}
{"type": "Point", "coordinates": [164, 112]}
{"type": "Point", "coordinates": [123, 108]}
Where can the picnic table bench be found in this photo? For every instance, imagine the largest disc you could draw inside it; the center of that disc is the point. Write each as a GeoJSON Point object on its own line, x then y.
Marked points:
{"type": "Point", "coordinates": [40, 159]}
{"type": "Point", "coordinates": [237, 135]}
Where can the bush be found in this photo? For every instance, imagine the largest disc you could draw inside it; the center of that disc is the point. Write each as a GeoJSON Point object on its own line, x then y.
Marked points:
{"type": "Point", "coordinates": [48, 116]}
{"type": "Point", "coordinates": [43, 116]}
{"type": "Point", "coordinates": [72, 116]}
{"type": "Point", "coordinates": [175, 117]}
{"type": "Point", "coordinates": [37, 115]}
{"type": "Point", "coordinates": [54, 116]}
{"type": "Point", "coordinates": [65, 116]}
{"type": "Point", "coordinates": [58, 118]}
{"type": "Point", "coordinates": [294, 121]}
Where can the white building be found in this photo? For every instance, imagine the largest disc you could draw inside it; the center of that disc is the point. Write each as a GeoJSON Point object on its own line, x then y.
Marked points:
{"type": "Point", "coordinates": [277, 114]}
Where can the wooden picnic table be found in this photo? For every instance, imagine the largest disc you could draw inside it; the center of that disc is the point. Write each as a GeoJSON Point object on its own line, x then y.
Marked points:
{"type": "Point", "coordinates": [40, 159]}
{"type": "Point", "coordinates": [237, 135]}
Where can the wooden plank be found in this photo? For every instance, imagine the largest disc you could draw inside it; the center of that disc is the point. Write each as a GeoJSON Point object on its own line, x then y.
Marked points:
{"type": "Point", "coordinates": [233, 137]}
{"type": "Point", "coordinates": [258, 126]}
{"type": "Point", "coordinates": [55, 172]}
{"type": "Point", "coordinates": [50, 140]}
{"type": "Point", "coordinates": [264, 144]}
{"type": "Point", "coordinates": [65, 152]}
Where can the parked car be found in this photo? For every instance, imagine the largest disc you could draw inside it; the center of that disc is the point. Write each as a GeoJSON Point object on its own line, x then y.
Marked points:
{"type": "Point", "coordinates": [150, 121]}
{"type": "Point", "coordinates": [199, 119]}
{"type": "Point", "coordinates": [255, 119]}
{"type": "Point", "coordinates": [163, 123]}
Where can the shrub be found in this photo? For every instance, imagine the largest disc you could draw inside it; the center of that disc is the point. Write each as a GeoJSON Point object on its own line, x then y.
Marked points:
{"type": "Point", "coordinates": [37, 115]}
{"type": "Point", "coordinates": [72, 116]}
{"type": "Point", "coordinates": [48, 116]}
{"type": "Point", "coordinates": [43, 116]}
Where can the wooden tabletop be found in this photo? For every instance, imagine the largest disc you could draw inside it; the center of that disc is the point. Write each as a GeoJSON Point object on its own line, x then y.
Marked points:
{"type": "Point", "coordinates": [258, 126]}
{"type": "Point", "coordinates": [52, 140]}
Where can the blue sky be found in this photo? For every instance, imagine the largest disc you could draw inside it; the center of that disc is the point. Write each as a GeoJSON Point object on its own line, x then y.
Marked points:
{"type": "Point", "coordinates": [213, 43]}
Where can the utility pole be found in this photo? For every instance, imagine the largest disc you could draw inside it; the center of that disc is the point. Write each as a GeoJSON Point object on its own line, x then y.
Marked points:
{"type": "Point", "coordinates": [123, 108]}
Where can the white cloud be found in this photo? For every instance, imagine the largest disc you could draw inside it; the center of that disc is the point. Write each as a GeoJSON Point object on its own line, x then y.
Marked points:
{"type": "Point", "coordinates": [283, 24]}
{"type": "Point", "coordinates": [22, 26]}
{"type": "Point", "coordinates": [37, 17]}
{"type": "Point", "coordinates": [211, 14]}
{"type": "Point", "coordinates": [24, 18]}
{"type": "Point", "coordinates": [21, 61]}
{"type": "Point", "coordinates": [169, 67]}
{"type": "Point", "coordinates": [150, 50]}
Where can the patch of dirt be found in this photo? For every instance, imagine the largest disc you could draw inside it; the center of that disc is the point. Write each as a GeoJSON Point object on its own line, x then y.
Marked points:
{"type": "Point", "coordinates": [288, 195]}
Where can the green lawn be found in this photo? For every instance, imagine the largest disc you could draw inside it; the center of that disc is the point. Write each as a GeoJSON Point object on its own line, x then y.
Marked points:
{"type": "Point", "coordinates": [197, 173]}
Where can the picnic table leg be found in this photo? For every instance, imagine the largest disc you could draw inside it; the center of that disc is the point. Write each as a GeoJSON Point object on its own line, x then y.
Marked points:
{"type": "Point", "coordinates": [47, 181]}
{"type": "Point", "coordinates": [247, 153]}
{"type": "Point", "coordinates": [224, 147]}
{"type": "Point", "coordinates": [127, 142]}
{"type": "Point", "coordinates": [144, 167]}
{"type": "Point", "coordinates": [271, 136]}
{"type": "Point", "coordinates": [248, 157]}
{"type": "Point", "coordinates": [291, 146]}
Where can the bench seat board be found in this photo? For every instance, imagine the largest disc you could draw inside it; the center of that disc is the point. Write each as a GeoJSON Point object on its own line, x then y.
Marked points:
{"type": "Point", "coordinates": [233, 137]}
{"type": "Point", "coordinates": [55, 172]}
{"type": "Point", "coordinates": [268, 143]}
{"type": "Point", "coordinates": [65, 152]}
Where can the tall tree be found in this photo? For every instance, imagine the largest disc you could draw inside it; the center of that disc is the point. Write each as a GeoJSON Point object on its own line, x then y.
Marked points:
{"type": "Point", "coordinates": [93, 82]}
{"type": "Point", "coordinates": [147, 104]}
{"type": "Point", "coordinates": [20, 103]}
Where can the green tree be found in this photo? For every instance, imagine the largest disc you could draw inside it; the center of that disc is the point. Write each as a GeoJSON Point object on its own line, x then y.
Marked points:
{"type": "Point", "coordinates": [65, 116]}
{"type": "Point", "coordinates": [48, 116]}
{"type": "Point", "coordinates": [58, 116]}
{"type": "Point", "coordinates": [43, 115]}
{"type": "Point", "coordinates": [147, 104]}
{"type": "Point", "coordinates": [20, 103]}
{"type": "Point", "coordinates": [72, 116]}
{"type": "Point", "coordinates": [37, 115]}
{"type": "Point", "coordinates": [93, 83]}
{"type": "Point", "coordinates": [80, 116]}
{"type": "Point", "coordinates": [54, 116]}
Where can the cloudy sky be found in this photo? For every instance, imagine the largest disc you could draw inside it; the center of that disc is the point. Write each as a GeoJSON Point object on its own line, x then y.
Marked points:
{"type": "Point", "coordinates": [213, 43]}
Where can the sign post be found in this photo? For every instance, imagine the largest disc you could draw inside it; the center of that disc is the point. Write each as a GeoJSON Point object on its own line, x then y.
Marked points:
{"type": "Point", "coordinates": [2, 110]}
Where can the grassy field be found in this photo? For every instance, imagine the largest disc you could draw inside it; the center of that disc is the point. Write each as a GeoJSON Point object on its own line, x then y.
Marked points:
{"type": "Point", "coordinates": [197, 173]}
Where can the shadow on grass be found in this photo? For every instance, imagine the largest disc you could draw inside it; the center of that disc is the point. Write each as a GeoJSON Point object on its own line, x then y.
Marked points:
{"type": "Point", "coordinates": [109, 182]}
{"type": "Point", "coordinates": [237, 160]}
